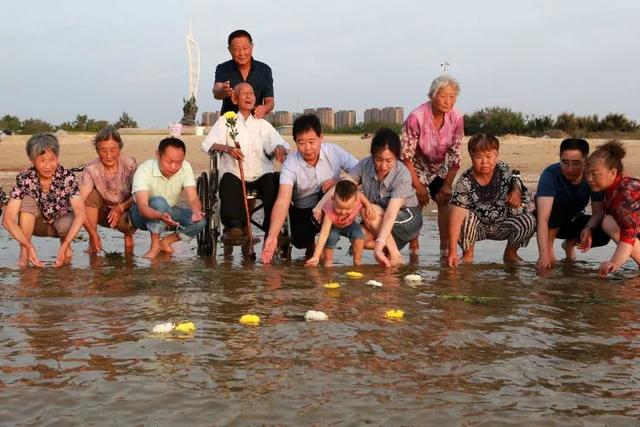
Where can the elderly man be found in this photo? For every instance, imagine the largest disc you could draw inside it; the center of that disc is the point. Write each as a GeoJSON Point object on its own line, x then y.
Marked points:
{"type": "Point", "coordinates": [243, 68]}
{"type": "Point", "coordinates": [305, 176]}
{"type": "Point", "coordinates": [157, 186]}
{"type": "Point", "coordinates": [259, 143]}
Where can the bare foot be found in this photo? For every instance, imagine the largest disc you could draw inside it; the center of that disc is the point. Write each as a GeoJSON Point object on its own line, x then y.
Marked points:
{"type": "Point", "coordinates": [23, 261]}
{"type": "Point", "coordinates": [511, 255]}
{"type": "Point", "coordinates": [328, 263]}
{"type": "Point", "coordinates": [128, 243]}
{"type": "Point", "coordinates": [152, 252]}
{"type": "Point", "coordinates": [467, 256]}
{"type": "Point", "coordinates": [414, 247]}
{"type": "Point", "coordinates": [166, 247]}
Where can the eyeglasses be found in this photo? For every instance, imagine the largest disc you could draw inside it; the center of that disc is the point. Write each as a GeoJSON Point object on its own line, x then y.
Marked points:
{"type": "Point", "coordinates": [575, 164]}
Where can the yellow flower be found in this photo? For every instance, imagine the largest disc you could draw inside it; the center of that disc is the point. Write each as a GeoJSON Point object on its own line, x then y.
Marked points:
{"type": "Point", "coordinates": [394, 314]}
{"type": "Point", "coordinates": [185, 327]}
{"type": "Point", "coordinates": [250, 319]}
{"type": "Point", "coordinates": [229, 115]}
{"type": "Point", "coordinates": [332, 285]}
{"type": "Point", "coordinates": [355, 275]}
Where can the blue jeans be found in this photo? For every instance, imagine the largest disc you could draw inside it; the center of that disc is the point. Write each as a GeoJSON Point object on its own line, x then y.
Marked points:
{"type": "Point", "coordinates": [187, 229]}
{"type": "Point", "coordinates": [352, 231]}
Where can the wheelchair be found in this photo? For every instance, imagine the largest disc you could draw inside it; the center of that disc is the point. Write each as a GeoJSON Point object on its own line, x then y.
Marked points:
{"type": "Point", "coordinates": [211, 238]}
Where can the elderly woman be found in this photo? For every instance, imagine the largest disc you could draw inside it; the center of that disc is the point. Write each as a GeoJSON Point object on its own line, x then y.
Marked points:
{"type": "Point", "coordinates": [431, 140]}
{"type": "Point", "coordinates": [489, 202]}
{"type": "Point", "coordinates": [46, 201]}
{"type": "Point", "coordinates": [105, 187]}
{"type": "Point", "coordinates": [604, 172]}
{"type": "Point", "coordinates": [387, 185]}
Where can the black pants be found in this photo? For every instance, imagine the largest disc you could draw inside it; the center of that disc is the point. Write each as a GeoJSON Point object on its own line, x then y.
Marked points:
{"type": "Point", "coordinates": [232, 211]}
{"type": "Point", "coordinates": [571, 226]}
{"type": "Point", "coordinates": [303, 227]}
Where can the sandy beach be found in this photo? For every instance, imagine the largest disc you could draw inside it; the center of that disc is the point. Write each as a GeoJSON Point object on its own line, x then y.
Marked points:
{"type": "Point", "coordinates": [529, 155]}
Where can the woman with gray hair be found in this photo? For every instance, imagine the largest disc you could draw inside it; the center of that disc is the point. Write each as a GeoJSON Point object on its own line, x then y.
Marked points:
{"type": "Point", "coordinates": [431, 142]}
{"type": "Point", "coordinates": [105, 187]}
{"type": "Point", "coordinates": [46, 200]}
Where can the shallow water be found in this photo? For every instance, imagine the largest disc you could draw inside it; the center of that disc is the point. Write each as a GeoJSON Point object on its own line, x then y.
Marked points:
{"type": "Point", "coordinates": [76, 348]}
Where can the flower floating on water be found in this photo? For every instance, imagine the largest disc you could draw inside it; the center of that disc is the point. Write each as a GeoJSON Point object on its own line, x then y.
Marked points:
{"type": "Point", "coordinates": [185, 327]}
{"type": "Point", "coordinates": [313, 315]}
{"type": "Point", "coordinates": [163, 328]}
{"type": "Point", "coordinates": [394, 314]}
{"type": "Point", "coordinates": [413, 278]}
{"type": "Point", "coordinates": [374, 283]}
{"type": "Point", "coordinates": [354, 275]}
{"type": "Point", "coordinates": [332, 285]}
{"type": "Point", "coordinates": [250, 319]}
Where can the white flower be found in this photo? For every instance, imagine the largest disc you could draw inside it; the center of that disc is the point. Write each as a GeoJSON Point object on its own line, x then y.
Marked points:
{"type": "Point", "coordinates": [312, 315]}
{"type": "Point", "coordinates": [413, 278]}
{"type": "Point", "coordinates": [163, 328]}
{"type": "Point", "coordinates": [374, 283]}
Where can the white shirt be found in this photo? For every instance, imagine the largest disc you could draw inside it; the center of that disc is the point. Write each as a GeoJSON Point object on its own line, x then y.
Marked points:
{"type": "Point", "coordinates": [257, 139]}
{"type": "Point", "coordinates": [307, 180]}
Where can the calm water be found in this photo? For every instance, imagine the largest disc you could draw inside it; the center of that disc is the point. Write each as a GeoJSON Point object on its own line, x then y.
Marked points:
{"type": "Point", "coordinates": [76, 349]}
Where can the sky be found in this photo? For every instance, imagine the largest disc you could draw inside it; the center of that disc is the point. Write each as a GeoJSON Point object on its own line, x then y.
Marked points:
{"type": "Point", "coordinates": [60, 59]}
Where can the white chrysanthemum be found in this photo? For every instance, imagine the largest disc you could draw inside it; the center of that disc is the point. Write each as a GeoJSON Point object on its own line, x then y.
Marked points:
{"type": "Point", "coordinates": [374, 283]}
{"type": "Point", "coordinates": [313, 315]}
{"type": "Point", "coordinates": [413, 278]}
{"type": "Point", "coordinates": [163, 328]}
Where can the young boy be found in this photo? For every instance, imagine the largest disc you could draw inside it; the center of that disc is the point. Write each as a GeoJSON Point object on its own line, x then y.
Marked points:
{"type": "Point", "coordinates": [339, 220]}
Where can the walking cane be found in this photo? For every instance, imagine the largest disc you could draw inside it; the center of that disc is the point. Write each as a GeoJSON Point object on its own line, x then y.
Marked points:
{"type": "Point", "coordinates": [246, 204]}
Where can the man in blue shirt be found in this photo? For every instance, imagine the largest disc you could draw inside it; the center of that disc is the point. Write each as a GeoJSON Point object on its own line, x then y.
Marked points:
{"type": "Point", "coordinates": [243, 68]}
{"type": "Point", "coordinates": [561, 198]}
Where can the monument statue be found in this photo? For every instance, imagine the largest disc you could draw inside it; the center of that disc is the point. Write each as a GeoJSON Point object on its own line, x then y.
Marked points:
{"type": "Point", "coordinates": [190, 109]}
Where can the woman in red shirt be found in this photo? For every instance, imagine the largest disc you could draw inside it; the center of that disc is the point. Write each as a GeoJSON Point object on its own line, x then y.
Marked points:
{"type": "Point", "coordinates": [621, 203]}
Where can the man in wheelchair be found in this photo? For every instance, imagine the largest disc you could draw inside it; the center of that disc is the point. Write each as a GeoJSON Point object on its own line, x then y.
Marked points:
{"type": "Point", "coordinates": [259, 144]}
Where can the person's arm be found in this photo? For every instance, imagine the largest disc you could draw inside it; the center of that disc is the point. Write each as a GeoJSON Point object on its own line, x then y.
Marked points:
{"type": "Point", "coordinates": [586, 235]}
{"type": "Point", "coordinates": [194, 203]}
{"type": "Point", "coordinates": [444, 194]}
{"type": "Point", "coordinates": [620, 256]}
{"type": "Point", "coordinates": [322, 240]}
{"type": "Point", "coordinates": [422, 192]}
{"type": "Point", "coordinates": [222, 86]}
{"type": "Point", "coordinates": [77, 204]}
{"type": "Point", "coordinates": [456, 218]}
{"type": "Point", "coordinates": [11, 225]}
{"type": "Point", "coordinates": [260, 111]}
{"type": "Point", "coordinates": [278, 215]}
{"type": "Point", "coordinates": [369, 210]}
{"type": "Point", "coordinates": [543, 208]}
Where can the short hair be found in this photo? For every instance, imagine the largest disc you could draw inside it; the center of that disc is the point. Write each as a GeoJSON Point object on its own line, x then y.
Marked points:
{"type": "Point", "coordinates": [611, 153]}
{"type": "Point", "coordinates": [575, 144]}
{"type": "Point", "coordinates": [306, 122]}
{"type": "Point", "coordinates": [39, 143]}
{"type": "Point", "coordinates": [385, 138]}
{"type": "Point", "coordinates": [237, 34]}
{"type": "Point", "coordinates": [106, 134]}
{"type": "Point", "coordinates": [442, 81]}
{"type": "Point", "coordinates": [171, 142]}
{"type": "Point", "coordinates": [482, 142]}
{"type": "Point", "coordinates": [345, 189]}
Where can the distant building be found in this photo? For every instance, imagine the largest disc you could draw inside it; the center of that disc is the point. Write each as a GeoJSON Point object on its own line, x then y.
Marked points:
{"type": "Point", "coordinates": [280, 118]}
{"type": "Point", "coordinates": [326, 115]}
{"type": "Point", "coordinates": [345, 119]}
{"type": "Point", "coordinates": [387, 115]}
{"type": "Point", "coordinates": [209, 118]}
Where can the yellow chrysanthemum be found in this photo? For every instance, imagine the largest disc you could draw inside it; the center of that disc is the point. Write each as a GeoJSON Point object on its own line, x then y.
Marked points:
{"type": "Point", "coordinates": [229, 115]}
{"type": "Point", "coordinates": [250, 319]}
{"type": "Point", "coordinates": [332, 285]}
{"type": "Point", "coordinates": [394, 314]}
{"type": "Point", "coordinates": [185, 327]}
{"type": "Point", "coordinates": [355, 275]}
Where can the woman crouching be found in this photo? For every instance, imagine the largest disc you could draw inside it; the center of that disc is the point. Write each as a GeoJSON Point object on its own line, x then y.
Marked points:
{"type": "Point", "coordinates": [621, 203]}
{"type": "Point", "coordinates": [46, 201]}
{"type": "Point", "coordinates": [489, 203]}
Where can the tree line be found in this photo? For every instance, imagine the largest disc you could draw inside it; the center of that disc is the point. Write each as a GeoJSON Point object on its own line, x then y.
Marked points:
{"type": "Point", "coordinates": [82, 123]}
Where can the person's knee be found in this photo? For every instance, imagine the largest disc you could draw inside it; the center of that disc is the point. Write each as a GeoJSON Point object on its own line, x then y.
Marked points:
{"type": "Point", "coordinates": [159, 204]}
{"type": "Point", "coordinates": [609, 225]}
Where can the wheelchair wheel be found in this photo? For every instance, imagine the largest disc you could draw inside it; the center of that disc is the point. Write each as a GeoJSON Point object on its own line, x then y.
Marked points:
{"type": "Point", "coordinates": [206, 246]}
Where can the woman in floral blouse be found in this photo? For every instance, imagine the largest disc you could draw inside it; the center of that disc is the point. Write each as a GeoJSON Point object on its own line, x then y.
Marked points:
{"type": "Point", "coordinates": [431, 140]}
{"type": "Point", "coordinates": [105, 187]}
{"type": "Point", "coordinates": [621, 203]}
{"type": "Point", "coordinates": [489, 203]}
{"type": "Point", "coordinates": [46, 201]}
